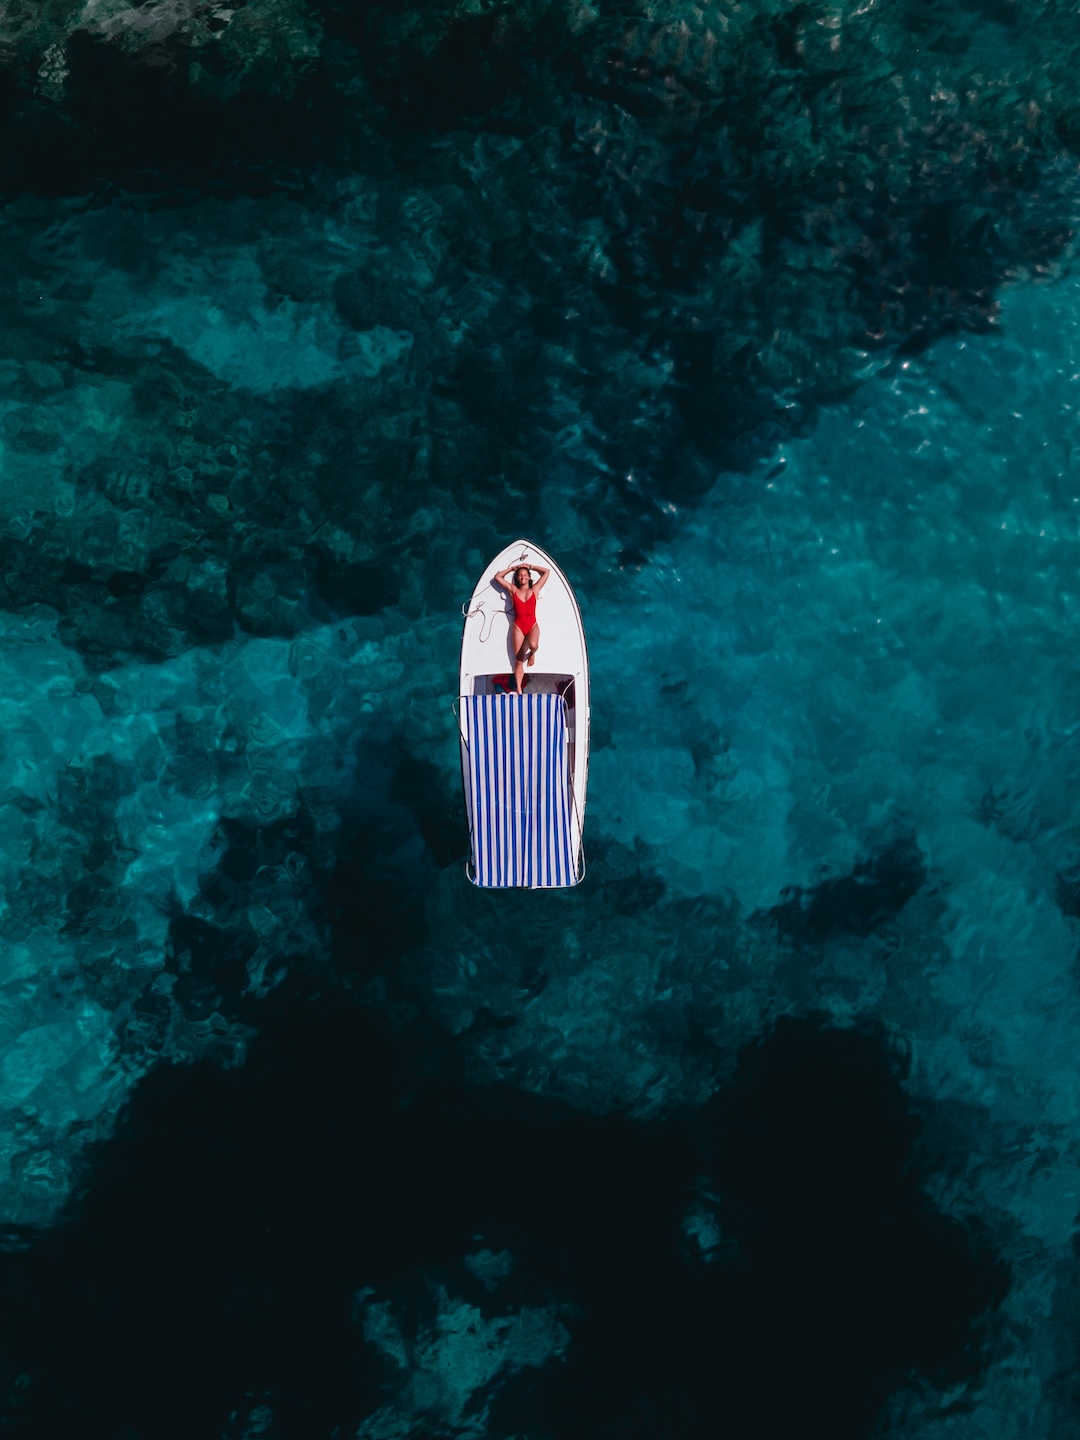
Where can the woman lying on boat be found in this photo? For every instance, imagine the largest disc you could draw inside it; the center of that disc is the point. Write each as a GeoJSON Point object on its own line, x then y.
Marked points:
{"type": "Point", "coordinates": [526, 630]}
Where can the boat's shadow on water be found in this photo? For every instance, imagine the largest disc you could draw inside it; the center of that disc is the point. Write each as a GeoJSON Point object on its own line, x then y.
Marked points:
{"type": "Point", "coordinates": [227, 1228]}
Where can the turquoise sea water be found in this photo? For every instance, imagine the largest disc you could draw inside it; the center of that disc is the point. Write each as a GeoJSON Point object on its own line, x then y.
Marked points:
{"type": "Point", "coordinates": [764, 320]}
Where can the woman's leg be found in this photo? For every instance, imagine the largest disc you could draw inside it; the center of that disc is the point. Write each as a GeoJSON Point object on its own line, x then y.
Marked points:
{"type": "Point", "coordinates": [532, 643]}
{"type": "Point", "coordinates": [519, 657]}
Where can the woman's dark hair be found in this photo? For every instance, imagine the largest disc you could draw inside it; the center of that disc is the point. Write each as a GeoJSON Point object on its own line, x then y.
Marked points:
{"type": "Point", "coordinates": [517, 571]}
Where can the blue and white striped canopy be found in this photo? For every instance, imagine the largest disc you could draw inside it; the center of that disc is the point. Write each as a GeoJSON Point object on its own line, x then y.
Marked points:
{"type": "Point", "coordinates": [519, 790]}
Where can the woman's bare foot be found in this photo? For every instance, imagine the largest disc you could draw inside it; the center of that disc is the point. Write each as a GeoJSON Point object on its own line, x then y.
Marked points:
{"type": "Point", "coordinates": [532, 656]}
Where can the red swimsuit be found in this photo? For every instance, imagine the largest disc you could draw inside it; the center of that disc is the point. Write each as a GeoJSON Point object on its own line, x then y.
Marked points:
{"type": "Point", "coordinates": [524, 612]}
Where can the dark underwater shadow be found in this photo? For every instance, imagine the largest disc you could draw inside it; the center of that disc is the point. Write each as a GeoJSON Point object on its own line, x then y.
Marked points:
{"type": "Point", "coordinates": [227, 1227]}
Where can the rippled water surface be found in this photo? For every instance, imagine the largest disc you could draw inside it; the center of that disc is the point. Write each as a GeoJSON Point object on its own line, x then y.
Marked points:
{"type": "Point", "coordinates": [765, 322]}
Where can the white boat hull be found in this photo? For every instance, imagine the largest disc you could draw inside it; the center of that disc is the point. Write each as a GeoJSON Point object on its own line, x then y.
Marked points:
{"type": "Point", "coordinates": [562, 664]}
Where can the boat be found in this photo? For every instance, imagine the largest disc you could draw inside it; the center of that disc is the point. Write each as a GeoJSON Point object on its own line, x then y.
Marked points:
{"type": "Point", "coordinates": [524, 758]}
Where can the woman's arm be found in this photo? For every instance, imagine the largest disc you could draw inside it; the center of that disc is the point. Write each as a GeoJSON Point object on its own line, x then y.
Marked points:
{"type": "Point", "coordinates": [544, 573]}
{"type": "Point", "coordinates": [500, 578]}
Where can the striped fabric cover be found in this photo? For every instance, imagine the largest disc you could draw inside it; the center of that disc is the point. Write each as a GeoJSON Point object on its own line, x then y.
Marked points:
{"type": "Point", "coordinates": [519, 787]}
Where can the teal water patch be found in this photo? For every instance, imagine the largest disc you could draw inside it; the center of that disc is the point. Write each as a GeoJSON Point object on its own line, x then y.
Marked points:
{"type": "Point", "coordinates": [875, 632]}
{"type": "Point", "coordinates": [114, 791]}
{"type": "Point", "coordinates": [94, 847]}
{"type": "Point", "coordinates": [449, 1372]}
{"type": "Point", "coordinates": [250, 338]}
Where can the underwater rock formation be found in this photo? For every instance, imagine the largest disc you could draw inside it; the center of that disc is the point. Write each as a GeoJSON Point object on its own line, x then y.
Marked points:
{"type": "Point", "coordinates": [336, 1239]}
